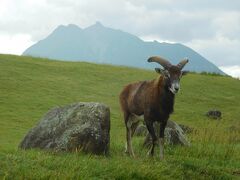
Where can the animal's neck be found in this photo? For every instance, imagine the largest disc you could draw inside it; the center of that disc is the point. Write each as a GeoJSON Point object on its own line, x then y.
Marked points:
{"type": "Point", "coordinates": [166, 98]}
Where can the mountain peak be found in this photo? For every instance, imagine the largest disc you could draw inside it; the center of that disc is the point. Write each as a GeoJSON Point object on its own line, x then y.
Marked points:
{"type": "Point", "coordinates": [69, 26]}
{"type": "Point", "coordinates": [98, 24]}
{"type": "Point", "coordinates": [62, 30]}
{"type": "Point", "coordinates": [73, 26]}
{"type": "Point", "coordinates": [98, 43]}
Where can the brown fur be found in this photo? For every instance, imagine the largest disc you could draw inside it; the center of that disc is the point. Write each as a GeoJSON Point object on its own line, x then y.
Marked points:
{"type": "Point", "coordinates": [138, 96]}
{"type": "Point", "coordinates": [153, 99]}
{"type": "Point", "coordinates": [144, 98]}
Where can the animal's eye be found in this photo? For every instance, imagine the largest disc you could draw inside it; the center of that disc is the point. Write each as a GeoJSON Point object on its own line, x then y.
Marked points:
{"type": "Point", "coordinates": [168, 74]}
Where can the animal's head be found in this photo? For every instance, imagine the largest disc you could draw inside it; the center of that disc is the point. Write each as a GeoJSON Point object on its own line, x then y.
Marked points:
{"type": "Point", "coordinates": [172, 73]}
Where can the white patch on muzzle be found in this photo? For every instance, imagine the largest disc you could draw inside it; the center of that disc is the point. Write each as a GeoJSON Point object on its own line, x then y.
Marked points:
{"type": "Point", "coordinates": [175, 87]}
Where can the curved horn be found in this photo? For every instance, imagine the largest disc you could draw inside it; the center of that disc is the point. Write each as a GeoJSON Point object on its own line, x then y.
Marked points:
{"type": "Point", "coordinates": [182, 63]}
{"type": "Point", "coordinates": [161, 61]}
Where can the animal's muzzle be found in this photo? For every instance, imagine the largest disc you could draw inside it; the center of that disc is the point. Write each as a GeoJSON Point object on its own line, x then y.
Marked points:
{"type": "Point", "coordinates": [175, 87]}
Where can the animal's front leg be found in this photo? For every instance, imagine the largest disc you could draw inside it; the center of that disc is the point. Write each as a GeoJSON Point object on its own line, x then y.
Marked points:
{"type": "Point", "coordinates": [161, 138]}
{"type": "Point", "coordinates": [150, 128]}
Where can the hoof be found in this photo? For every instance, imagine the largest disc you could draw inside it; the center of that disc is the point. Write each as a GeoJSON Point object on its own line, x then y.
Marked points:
{"type": "Point", "coordinates": [132, 154]}
{"type": "Point", "coordinates": [161, 158]}
{"type": "Point", "coordinates": [149, 154]}
{"type": "Point", "coordinates": [129, 154]}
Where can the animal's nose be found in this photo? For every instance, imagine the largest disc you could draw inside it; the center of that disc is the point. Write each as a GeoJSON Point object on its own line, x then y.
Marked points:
{"type": "Point", "coordinates": [176, 88]}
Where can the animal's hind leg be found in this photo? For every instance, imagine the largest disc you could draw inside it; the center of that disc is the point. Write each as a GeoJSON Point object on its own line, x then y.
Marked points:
{"type": "Point", "coordinates": [128, 124]}
{"type": "Point", "coordinates": [135, 123]}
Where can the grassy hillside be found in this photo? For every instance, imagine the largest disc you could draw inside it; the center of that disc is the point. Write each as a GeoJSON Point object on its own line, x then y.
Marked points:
{"type": "Point", "coordinates": [29, 87]}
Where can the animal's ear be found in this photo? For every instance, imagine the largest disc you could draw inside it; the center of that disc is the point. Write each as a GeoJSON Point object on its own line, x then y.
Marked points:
{"type": "Point", "coordinates": [159, 71]}
{"type": "Point", "coordinates": [184, 72]}
{"type": "Point", "coordinates": [164, 72]}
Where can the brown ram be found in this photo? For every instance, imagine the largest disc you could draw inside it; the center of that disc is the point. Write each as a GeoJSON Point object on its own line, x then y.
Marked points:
{"type": "Point", "coordinates": [153, 99]}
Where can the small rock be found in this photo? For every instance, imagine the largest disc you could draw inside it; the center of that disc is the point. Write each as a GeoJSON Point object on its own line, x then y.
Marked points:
{"type": "Point", "coordinates": [186, 129]}
{"type": "Point", "coordinates": [141, 130]}
{"type": "Point", "coordinates": [173, 134]}
{"type": "Point", "coordinates": [75, 127]}
{"type": "Point", "coordinates": [214, 114]}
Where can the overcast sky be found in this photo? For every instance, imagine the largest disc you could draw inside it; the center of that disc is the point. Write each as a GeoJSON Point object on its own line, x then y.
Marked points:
{"type": "Point", "coordinates": [211, 28]}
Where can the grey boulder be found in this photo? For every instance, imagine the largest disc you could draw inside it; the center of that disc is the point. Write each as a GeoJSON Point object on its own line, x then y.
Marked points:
{"type": "Point", "coordinates": [75, 127]}
{"type": "Point", "coordinates": [186, 129]}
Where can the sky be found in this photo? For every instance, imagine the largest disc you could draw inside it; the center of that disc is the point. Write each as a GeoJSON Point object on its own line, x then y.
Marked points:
{"type": "Point", "coordinates": [212, 28]}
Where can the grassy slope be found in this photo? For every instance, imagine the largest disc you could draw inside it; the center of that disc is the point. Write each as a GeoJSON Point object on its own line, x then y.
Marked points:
{"type": "Point", "coordinates": [30, 86]}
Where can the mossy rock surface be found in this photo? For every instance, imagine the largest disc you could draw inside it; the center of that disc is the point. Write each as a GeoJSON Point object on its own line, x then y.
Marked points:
{"type": "Point", "coordinates": [79, 126]}
{"type": "Point", "coordinates": [173, 134]}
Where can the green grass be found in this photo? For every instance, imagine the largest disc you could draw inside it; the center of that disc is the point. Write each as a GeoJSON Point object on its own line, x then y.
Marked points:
{"type": "Point", "coordinates": [29, 87]}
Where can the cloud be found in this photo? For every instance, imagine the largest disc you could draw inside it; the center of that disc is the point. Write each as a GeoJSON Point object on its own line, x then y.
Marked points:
{"type": "Point", "coordinates": [209, 27]}
{"type": "Point", "coordinates": [220, 50]}
{"type": "Point", "coordinates": [233, 71]}
{"type": "Point", "coordinates": [14, 44]}
{"type": "Point", "coordinates": [190, 5]}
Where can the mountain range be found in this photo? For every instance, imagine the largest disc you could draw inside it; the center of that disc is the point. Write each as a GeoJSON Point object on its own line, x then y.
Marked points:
{"type": "Point", "coordinates": [101, 44]}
